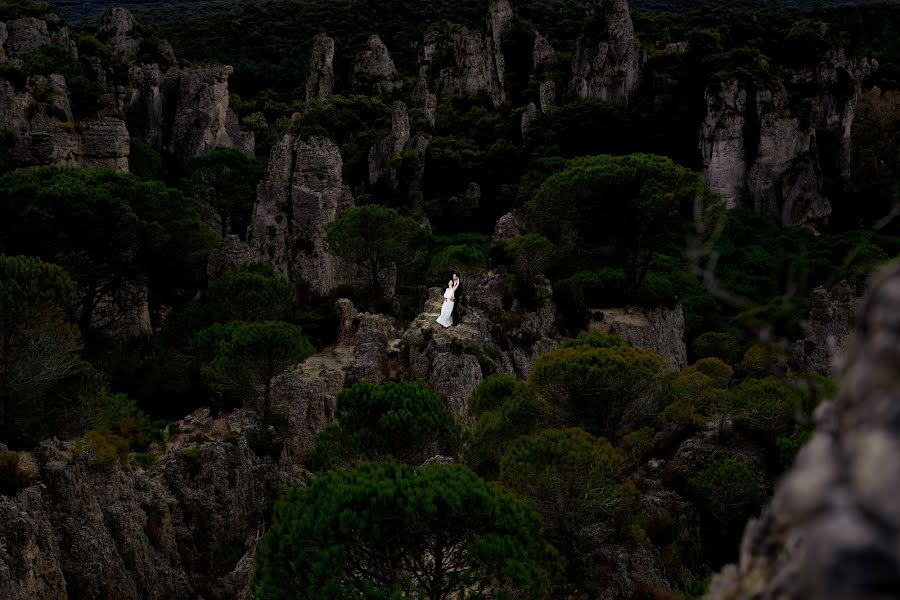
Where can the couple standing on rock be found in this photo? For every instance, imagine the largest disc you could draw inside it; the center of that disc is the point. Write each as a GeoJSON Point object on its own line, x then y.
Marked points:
{"type": "Point", "coordinates": [449, 310]}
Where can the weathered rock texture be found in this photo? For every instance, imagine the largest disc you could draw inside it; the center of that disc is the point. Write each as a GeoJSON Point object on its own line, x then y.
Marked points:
{"type": "Point", "coordinates": [184, 112]}
{"type": "Point", "coordinates": [657, 329]}
{"type": "Point", "coordinates": [832, 314]}
{"type": "Point", "coordinates": [373, 69]}
{"type": "Point", "coordinates": [769, 146]}
{"type": "Point", "coordinates": [454, 360]}
{"type": "Point", "coordinates": [117, 532]}
{"type": "Point", "coordinates": [607, 62]}
{"type": "Point", "coordinates": [20, 36]}
{"type": "Point", "coordinates": [302, 192]}
{"type": "Point", "coordinates": [320, 76]}
{"type": "Point", "coordinates": [464, 61]}
{"type": "Point", "coordinates": [831, 530]}
{"type": "Point", "coordinates": [40, 116]}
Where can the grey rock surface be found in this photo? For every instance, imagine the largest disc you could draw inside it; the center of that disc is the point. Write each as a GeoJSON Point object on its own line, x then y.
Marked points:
{"type": "Point", "coordinates": [659, 329]}
{"type": "Point", "coordinates": [607, 64]}
{"type": "Point", "coordinates": [373, 70]}
{"type": "Point", "coordinates": [302, 192]}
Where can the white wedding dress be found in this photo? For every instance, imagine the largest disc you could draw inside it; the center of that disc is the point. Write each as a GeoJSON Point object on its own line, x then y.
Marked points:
{"type": "Point", "coordinates": [445, 319]}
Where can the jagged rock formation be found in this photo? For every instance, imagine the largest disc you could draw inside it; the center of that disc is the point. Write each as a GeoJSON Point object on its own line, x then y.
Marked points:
{"type": "Point", "coordinates": [454, 360]}
{"type": "Point", "coordinates": [97, 532]}
{"type": "Point", "coordinates": [467, 61]}
{"type": "Point", "coordinates": [302, 192]}
{"type": "Point", "coordinates": [831, 530]}
{"type": "Point", "coordinates": [832, 314]}
{"type": "Point", "coordinates": [769, 146]}
{"type": "Point", "coordinates": [185, 112]}
{"type": "Point", "coordinates": [528, 118]}
{"type": "Point", "coordinates": [320, 76]}
{"type": "Point", "coordinates": [383, 165]}
{"type": "Point", "coordinates": [40, 116]}
{"type": "Point", "coordinates": [373, 70]}
{"type": "Point", "coordinates": [118, 29]}
{"type": "Point", "coordinates": [657, 329]}
{"type": "Point", "coordinates": [21, 36]}
{"type": "Point", "coordinates": [607, 62]}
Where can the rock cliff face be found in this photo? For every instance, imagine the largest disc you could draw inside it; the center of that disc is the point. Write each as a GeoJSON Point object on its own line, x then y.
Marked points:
{"type": "Point", "coordinates": [373, 70]}
{"type": "Point", "coordinates": [20, 36]}
{"type": "Point", "coordinates": [658, 329]}
{"type": "Point", "coordinates": [454, 360]}
{"type": "Point", "coordinates": [302, 192]}
{"type": "Point", "coordinates": [40, 116]}
{"type": "Point", "coordinates": [103, 532]}
{"type": "Point", "coordinates": [769, 146]}
{"type": "Point", "coordinates": [831, 530]}
{"type": "Point", "coordinates": [464, 61]}
{"type": "Point", "coordinates": [320, 77]}
{"type": "Point", "coordinates": [184, 112]}
{"type": "Point", "coordinates": [607, 62]}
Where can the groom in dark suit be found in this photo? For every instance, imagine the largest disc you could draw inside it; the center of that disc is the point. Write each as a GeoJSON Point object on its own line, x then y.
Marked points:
{"type": "Point", "coordinates": [455, 314]}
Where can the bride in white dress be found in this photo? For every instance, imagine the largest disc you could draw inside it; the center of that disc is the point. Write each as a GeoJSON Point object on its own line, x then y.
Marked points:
{"type": "Point", "coordinates": [449, 299]}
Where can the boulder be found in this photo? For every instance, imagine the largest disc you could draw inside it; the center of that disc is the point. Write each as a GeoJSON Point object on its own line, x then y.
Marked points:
{"type": "Point", "coordinates": [24, 35]}
{"type": "Point", "coordinates": [302, 192]}
{"type": "Point", "coordinates": [230, 254]}
{"type": "Point", "coordinates": [832, 529]}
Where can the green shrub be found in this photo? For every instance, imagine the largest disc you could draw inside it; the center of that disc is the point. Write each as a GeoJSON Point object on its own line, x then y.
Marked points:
{"type": "Point", "coordinates": [728, 494]}
{"type": "Point", "coordinates": [406, 421]}
{"type": "Point", "coordinates": [392, 514]}
{"type": "Point", "coordinates": [12, 478]}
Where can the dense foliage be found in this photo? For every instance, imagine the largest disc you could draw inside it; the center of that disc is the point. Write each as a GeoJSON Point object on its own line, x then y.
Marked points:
{"type": "Point", "coordinates": [391, 531]}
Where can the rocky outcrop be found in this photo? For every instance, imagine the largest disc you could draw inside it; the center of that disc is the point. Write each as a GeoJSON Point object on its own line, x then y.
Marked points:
{"type": "Point", "coordinates": [464, 61]}
{"type": "Point", "coordinates": [376, 357]}
{"type": "Point", "coordinates": [184, 112]}
{"type": "Point", "coordinates": [40, 116]}
{"type": "Point", "coordinates": [454, 360]}
{"type": "Point", "coordinates": [508, 227]}
{"type": "Point", "coordinates": [384, 167]}
{"type": "Point", "coordinates": [529, 117]}
{"type": "Point", "coordinates": [95, 532]}
{"type": "Point", "coordinates": [102, 142]}
{"type": "Point", "coordinates": [607, 62]}
{"type": "Point", "coordinates": [373, 70]}
{"type": "Point", "coordinates": [302, 192]}
{"type": "Point", "coordinates": [118, 29]}
{"type": "Point", "coordinates": [832, 529]}
{"type": "Point", "coordinates": [20, 36]}
{"type": "Point", "coordinates": [769, 146]}
{"type": "Point", "coordinates": [320, 75]}
{"type": "Point", "coordinates": [658, 329]}
{"type": "Point", "coordinates": [832, 314]}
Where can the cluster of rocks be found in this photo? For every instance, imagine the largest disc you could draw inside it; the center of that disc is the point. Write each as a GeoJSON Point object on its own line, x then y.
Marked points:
{"type": "Point", "coordinates": [769, 145]}
{"type": "Point", "coordinates": [658, 329]}
{"type": "Point", "coordinates": [184, 112]}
